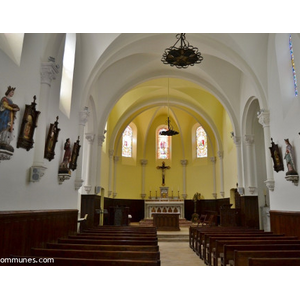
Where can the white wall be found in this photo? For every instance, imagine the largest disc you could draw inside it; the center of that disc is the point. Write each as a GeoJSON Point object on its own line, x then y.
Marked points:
{"type": "Point", "coordinates": [16, 192]}
{"type": "Point", "coordinates": [284, 117]}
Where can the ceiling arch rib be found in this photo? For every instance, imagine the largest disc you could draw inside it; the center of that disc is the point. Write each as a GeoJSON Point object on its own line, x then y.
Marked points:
{"type": "Point", "coordinates": [139, 108]}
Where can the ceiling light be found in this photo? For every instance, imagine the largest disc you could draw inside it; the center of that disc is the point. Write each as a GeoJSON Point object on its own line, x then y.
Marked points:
{"type": "Point", "coordinates": [182, 56]}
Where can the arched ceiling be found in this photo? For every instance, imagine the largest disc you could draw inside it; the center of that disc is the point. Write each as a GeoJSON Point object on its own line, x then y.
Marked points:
{"type": "Point", "coordinates": [179, 98]}
{"type": "Point", "coordinates": [131, 69]}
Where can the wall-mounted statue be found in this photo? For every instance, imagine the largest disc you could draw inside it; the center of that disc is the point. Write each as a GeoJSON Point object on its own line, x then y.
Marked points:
{"type": "Point", "coordinates": [75, 153]}
{"type": "Point", "coordinates": [51, 140]}
{"type": "Point", "coordinates": [64, 171]}
{"type": "Point", "coordinates": [289, 157]}
{"type": "Point", "coordinates": [8, 112]}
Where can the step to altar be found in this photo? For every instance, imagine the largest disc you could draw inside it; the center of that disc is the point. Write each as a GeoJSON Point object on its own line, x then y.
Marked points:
{"type": "Point", "coordinates": [149, 222]}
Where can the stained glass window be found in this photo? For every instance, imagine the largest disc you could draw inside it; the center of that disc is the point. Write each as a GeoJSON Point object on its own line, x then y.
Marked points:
{"type": "Point", "coordinates": [293, 66]}
{"type": "Point", "coordinates": [163, 145]}
{"type": "Point", "coordinates": [201, 139]}
{"type": "Point", "coordinates": [127, 142]}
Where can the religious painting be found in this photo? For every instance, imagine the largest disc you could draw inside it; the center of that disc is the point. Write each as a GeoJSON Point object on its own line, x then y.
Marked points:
{"type": "Point", "coordinates": [51, 140]}
{"type": "Point", "coordinates": [275, 154]}
{"type": "Point", "coordinates": [28, 125]}
{"type": "Point", "coordinates": [75, 154]}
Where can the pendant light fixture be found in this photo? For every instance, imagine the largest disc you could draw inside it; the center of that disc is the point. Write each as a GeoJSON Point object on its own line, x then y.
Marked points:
{"type": "Point", "coordinates": [170, 131]}
{"type": "Point", "coordinates": [183, 55]}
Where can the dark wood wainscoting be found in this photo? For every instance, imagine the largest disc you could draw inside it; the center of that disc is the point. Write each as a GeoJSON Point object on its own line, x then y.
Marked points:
{"type": "Point", "coordinates": [285, 222]}
{"type": "Point", "coordinates": [22, 230]}
{"type": "Point", "coordinates": [135, 207]}
{"type": "Point", "coordinates": [204, 206]}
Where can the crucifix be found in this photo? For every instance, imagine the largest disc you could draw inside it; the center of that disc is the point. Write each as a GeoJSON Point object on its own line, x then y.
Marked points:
{"type": "Point", "coordinates": [163, 167]}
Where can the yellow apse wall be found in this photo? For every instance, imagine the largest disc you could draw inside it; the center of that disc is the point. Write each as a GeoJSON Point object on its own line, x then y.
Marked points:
{"type": "Point", "coordinates": [199, 172]}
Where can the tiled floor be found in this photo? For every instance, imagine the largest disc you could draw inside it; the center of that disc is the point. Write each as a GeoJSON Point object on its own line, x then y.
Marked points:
{"type": "Point", "coordinates": [175, 250]}
{"type": "Point", "coordinates": [178, 254]}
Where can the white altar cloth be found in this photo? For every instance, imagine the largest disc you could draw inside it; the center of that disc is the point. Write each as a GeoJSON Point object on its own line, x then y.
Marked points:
{"type": "Point", "coordinates": [164, 205]}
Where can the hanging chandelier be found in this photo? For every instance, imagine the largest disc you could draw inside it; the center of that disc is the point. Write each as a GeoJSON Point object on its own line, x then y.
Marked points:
{"type": "Point", "coordinates": [183, 55]}
{"type": "Point", "coordinates": [169, 131]}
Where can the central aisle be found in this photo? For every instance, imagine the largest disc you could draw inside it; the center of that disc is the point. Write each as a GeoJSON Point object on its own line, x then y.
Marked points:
{"type": "Point", "coordinates": [175, 250]}
{"type": "Point", "coordinates": [178, 254]}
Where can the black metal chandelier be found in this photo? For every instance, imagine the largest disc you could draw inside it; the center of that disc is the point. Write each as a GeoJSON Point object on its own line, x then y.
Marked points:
{"type": "Point", "coordinates": [169, 131]}
{"type": "Point", "coordinates": [182, 56]}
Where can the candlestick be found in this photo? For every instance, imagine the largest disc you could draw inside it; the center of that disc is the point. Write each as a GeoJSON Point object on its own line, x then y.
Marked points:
{"type": "Point", "coordinates": [150, 195]}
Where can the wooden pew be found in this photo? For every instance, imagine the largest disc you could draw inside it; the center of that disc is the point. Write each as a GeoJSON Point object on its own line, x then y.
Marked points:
{"type": "Point", "coordinates": [63, 261]}
{"type": "Point", "coordinates": [241, 257]}
{"type": "Point", "coordinates": [259, 262]}
{"type": "Point", "coordinates": [95, 254]}
{"type": "Point", "coordinates": [217, 251]}
{"type": "Point", "coordinates": [199, 241]}
{"type": "Point", "coordinates": [228, 250]}
{"type": "Point", "coordinates": [113, 238]}
{"type": "Point", "coordinates": [139, 229]}
{"type": "Point", "coordinates": [202, 236]}
{"type": "Point", "coordinates": [108, 242]}
{"type": "Point", "coordinates": [118, 234]}
{"type": "Point", "coordinates": [102, 247]}
{"type": "Point", "coordinates": [210, 240]}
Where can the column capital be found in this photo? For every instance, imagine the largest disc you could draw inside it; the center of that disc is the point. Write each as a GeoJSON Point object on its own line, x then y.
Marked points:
{"type": "Point", "coordinates": [101, 139]}
{"type": "Point", "coordinates": [111, 152]}
{"type": "Point", "coordinates": [237, 140]}
{"type": "Point", "coordinates": [221, 154]}
{"type": "Point", "coordinates": [264, 117]}
{"type": "Point", "coordinates": [90, 137]}
{"type": "Point", "coordinates": [212, 159]}
{"type": "Point", "coordinates": [249, 139]}
{"type": "Point", "coordinates": [48, 72]}
{"type": "Point", "coordinates": [184, 162]}
{"type": "Point", "coordinates": [144, 162]}
{"type": "Point", "coordinates": [116, 159]}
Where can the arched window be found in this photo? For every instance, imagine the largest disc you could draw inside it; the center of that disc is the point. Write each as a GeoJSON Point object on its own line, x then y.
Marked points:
{"type": "Point", "coordinates": [127, 141]}
{"type": "Point", "coordinates": [201, 142]}
{"type": "Point", "coordinates": [67, 74]}
{"type": "Point", "coordinates": [293, 65]}
{"type": "Point", "coordinates": [163, 144]}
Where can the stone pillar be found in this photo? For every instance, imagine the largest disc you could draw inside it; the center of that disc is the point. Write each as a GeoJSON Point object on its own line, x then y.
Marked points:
{"type": "Point", "coordinates": [111, 155]}
{"type": "Point", "coordinates": [184, 163]}
{"type": "Point", "coordinates": [213, 160]}
{"type": "Point", "coordinates": [220, 155]}
{"type": "Point", "coordinates": [83, 118]}
{"type": "Point", "coordinates": [250, 164]}
{"type": "Point", "coordinates": [116, 159]}
{"type": "Point", "coordinates": [264, 119]}
{"type": "Point", "coordinates": [237, 142]}
{"type": "Point", "coordinates": [101, 139]}
{"type": "Point", "coordinates": [143, 163]}
{"type": "Point", "coordinates": [48, 72]}
{"type": "Point", "coordinates": [90, 138]}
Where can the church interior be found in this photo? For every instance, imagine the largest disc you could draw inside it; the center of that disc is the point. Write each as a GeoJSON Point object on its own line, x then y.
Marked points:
{"type": "Point", "coordinates": [87, 142]}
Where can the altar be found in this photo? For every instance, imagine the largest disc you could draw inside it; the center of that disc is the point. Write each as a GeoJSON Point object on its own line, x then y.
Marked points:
{"type": "Point", "coordinates": [164, 204]}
